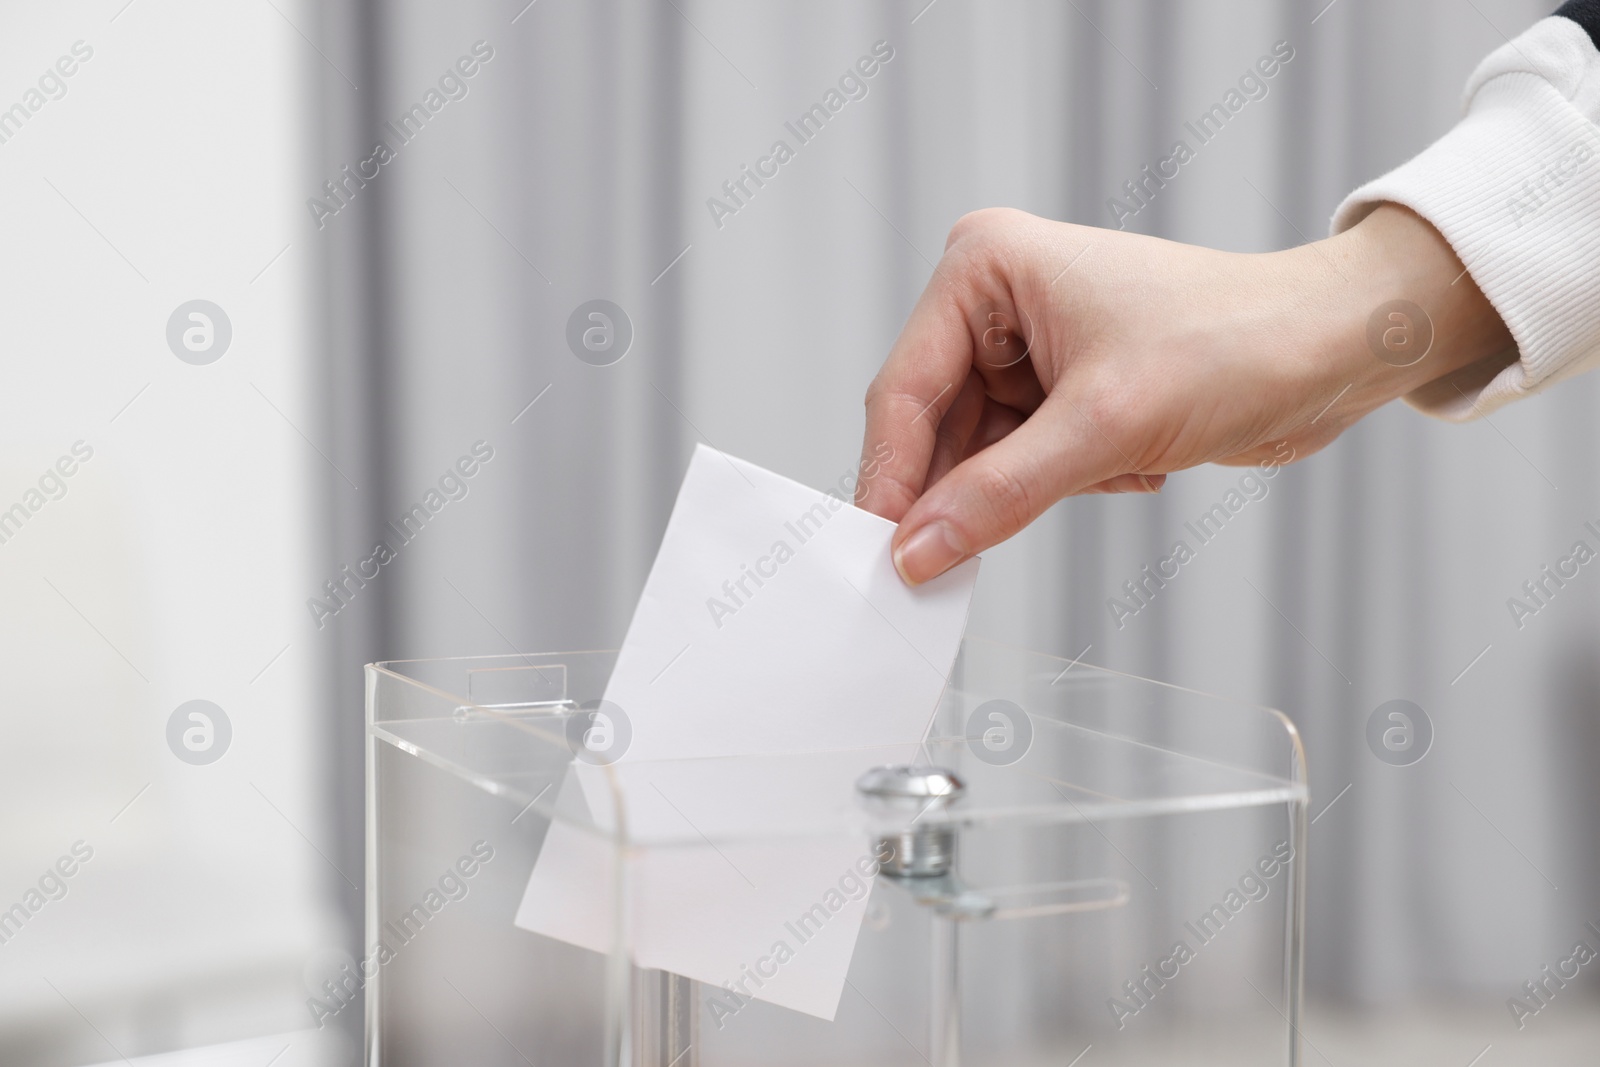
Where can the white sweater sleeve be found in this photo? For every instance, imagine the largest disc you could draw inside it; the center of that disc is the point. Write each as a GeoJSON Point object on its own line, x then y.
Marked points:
{"type": "Point", "coordinates": [1515, 189]}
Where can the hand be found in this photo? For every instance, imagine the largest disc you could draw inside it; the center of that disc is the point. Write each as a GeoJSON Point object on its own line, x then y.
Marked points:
{"type": "Point", "coordinates": [1046, 359]}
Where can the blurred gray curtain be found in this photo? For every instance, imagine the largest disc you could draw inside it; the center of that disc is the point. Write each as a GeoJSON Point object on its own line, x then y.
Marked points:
{"type": "Point", "coordinates": [579, 166]}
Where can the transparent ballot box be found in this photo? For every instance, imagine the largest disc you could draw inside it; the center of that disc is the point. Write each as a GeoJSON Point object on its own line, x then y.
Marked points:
{"type": "Point", "coordinates": [1075, 864]}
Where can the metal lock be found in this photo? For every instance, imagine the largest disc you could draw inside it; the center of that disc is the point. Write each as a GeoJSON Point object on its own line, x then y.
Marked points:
{"type": "Point", "coordinates": [917, 851]}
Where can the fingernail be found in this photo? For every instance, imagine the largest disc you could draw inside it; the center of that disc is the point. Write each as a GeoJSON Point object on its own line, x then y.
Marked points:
{"type": "Point", "coordinates": [929, 552]}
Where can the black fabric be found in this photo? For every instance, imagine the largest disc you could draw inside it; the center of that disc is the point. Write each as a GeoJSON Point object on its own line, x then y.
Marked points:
{"type": "Point", "coordinates": [1585, 13]}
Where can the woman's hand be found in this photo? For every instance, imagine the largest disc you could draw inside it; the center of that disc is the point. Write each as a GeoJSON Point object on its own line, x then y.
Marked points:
{"type": "Point", "coordinates": [1046, 359]}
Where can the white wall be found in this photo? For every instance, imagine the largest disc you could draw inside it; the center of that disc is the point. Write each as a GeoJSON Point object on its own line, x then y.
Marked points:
{"type": "Point", "coordinates": [176, 564]}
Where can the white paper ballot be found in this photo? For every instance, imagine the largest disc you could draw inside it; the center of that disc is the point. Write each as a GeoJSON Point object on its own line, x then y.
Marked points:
{"type": "Point", "coordinates": [774, 656]}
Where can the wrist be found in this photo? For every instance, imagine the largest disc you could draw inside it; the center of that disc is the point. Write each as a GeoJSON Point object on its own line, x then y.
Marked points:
{"type": "Point", "coordinates": [1405, 314]}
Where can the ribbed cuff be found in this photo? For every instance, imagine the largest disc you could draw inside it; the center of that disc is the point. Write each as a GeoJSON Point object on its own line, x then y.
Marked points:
{"type": "Point", "coordinates": [1515, 189]}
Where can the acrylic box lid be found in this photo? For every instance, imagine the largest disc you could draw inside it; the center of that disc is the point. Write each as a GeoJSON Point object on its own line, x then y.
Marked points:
{"type": "Point", "coordinates": [1034, 738]}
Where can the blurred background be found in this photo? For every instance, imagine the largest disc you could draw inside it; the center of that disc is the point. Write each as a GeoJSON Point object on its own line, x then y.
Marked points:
{"type": "Point", "coordinates": [369, 320]}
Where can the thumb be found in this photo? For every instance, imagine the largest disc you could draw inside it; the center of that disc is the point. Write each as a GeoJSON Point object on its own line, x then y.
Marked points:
{"type": "Point", "coordinates": [994, 494]}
